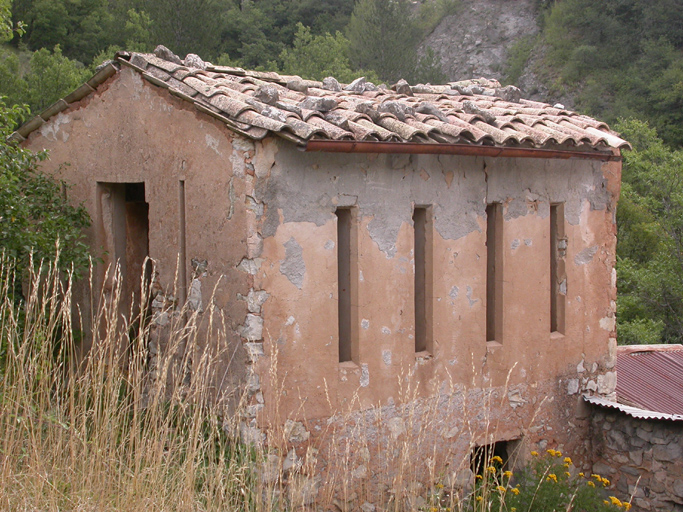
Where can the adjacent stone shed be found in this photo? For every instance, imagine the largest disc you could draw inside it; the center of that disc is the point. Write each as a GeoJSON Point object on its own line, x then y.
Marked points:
{"type": "Point", "coordinates": [418, 265]}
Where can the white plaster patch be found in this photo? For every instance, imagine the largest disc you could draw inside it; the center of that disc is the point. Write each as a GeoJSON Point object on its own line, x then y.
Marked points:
{"type": "Point", "coordinates": [573, 386]}
{"type": "Point", "coordinates": [364, 376]}
{"type": "Point", "coordinates": [469, 297]}
{"type": "Point", "coordinates": [528, 242]}
{"type": "Point", "coordinates": [293, 266]}
{"type": "Point", "coordinates": [194, 297]}
{"type": "Point", "coordinates": [454, 292]}
{"type": "Point", "coordinates": [586, 256]}
{"type": "Point", "coordinates": [329, 245]}
{"type": "Point", "coordinates": [290, 321]}
{"type": "Point", "coordinates": [608, 323]}
{"type": "Point", "coordinates": [386, 357]}
{"type": "Point", "coordinates": [396, 426]}
{"type": "Point", "coordinates": [212, 142]}
{"type": "Point", "coordinates": [607, 383]}
{"type": "Point", "coordinates": [386, 330]}
{"type": "Point", "coordinates": [360, 472]}
{"type": "Point", "coordinates": [515, 399]}
{"type": "Point", "coordinates": [51, 129]}
{"type": "Point", "coordinates": [365, 323]}
{"type": "Point", "coordinates": [360, 276]}
{"type": "Point", "coordinates": [515, 244]}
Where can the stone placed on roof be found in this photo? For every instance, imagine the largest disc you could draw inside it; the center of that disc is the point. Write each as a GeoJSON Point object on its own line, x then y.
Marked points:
{"type": "Point", "coordinates": [254, 104]}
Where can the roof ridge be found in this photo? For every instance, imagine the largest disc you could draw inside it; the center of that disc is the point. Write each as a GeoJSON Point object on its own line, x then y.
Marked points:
{"type": "Point", "coordinates": [256, 103]}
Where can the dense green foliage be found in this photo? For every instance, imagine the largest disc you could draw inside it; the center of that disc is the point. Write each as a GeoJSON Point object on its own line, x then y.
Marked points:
{"type": "Point", "coordinates": [650, 248]}
{"type": "Point", "coordinates": [34, 215]}
{"type": "Point", "coordinates": [620, 58]}
{"type": "Point", "coordinates": [66, 39]}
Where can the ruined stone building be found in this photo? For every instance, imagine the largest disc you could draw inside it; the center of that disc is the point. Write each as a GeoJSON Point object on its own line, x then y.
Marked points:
{"type": "Point", "coordinates": [430, 264]}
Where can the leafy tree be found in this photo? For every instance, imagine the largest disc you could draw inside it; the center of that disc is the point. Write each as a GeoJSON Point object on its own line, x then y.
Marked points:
{"type": "Point", "coordinates": [650, 240]}
{"type": "Point", "coordinates": [12, 85]}
{"type": "Point", "coordinates": [249, 36]}
{"type": "Point", "coordinates": [185, 26]}
{"type": "Point", "coordinates": [52, 76]}
{"type": "Point", "coordinates": [428, 69]}
{"type": "Point", "coordinates": [317, 57]}
{"type": "Point", "coordinates": [82, 28]}
{"type": "Point", "coordinates": [34, 215]}
{"type": "Point", "coordinates": [383, 38]}
{"type": "Point", "coordinates": [620, 59]}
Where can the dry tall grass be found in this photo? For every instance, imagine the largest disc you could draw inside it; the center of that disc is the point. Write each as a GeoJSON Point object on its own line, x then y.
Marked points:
{"type": "Point", "coordinates": [117, 429]}
{"type": "Point", "coordinates": [96, 432]}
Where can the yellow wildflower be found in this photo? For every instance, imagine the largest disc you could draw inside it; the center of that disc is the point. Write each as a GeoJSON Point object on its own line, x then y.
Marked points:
{"type": "Point", "coordinates": [551, 452]}
{"type": "Point", "coordinates": [439, 486]}
{"type": "Point", "coordinates": [491, 469]}
{"type": "Point", "coordinates": [479, 498]}
{"type": "Point", "coordinates": [616, 501]}
{"type": "Point", "coordinates": [568, 460]}
{"type": "Point", "coordinates": [581, 475]}
{"type": "Point", "coordinates": [605, 502]}
{"type": "Point", "coordinates": [597, 477]}
{"type": "Point", "coordinates": [627, 505]}
{"type": "Point", "coordinates": [513, 509]}
{"type": "Point", "coordinates": [507, 474]}
{"type": "Point", "coordinates": [567, 473]}
{"type": "Point", "coordinates": [515, 491]}
{"type": "Point", "coordinates": [591, 484]}
{"type": "Point", "coordinates": [479, 477]}
{"type": "Point", "coordinates": [534, 453]}
{"type": "Point", "coordinates": [566, 465]}
{"type": "Point", "coordinates": [605, 482]}
{"type": "Point", "coordinates": [553, 477]}
{"type": "Point", "coordinates": [496, 459]}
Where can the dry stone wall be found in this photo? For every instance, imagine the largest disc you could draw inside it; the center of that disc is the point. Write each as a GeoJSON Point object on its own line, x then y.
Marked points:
{"type": "Point", "coordinates": [642, 458]}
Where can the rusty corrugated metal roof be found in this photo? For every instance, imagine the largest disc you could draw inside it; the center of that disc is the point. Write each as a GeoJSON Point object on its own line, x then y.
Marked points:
{"type": "Point", "coordinates": [650, 377]}
{"type": "Point", "coordinates": [474, 112]}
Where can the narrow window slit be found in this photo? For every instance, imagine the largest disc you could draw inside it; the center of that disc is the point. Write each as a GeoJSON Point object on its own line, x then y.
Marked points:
{"type": "Point", "coordinates": [494, 272]}
{"type": "Point", "coordinates": [347, 269]}
{"type": "Point", "coordinates": [182, 249]}
{"type": "Point", "coordinates": [558, 276]}
{"type": "Point", "coordinates": [422, 253]}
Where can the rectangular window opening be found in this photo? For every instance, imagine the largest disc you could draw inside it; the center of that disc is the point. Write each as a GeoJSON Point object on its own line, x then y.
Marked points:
{"type": "Point", "coordinates": [347, 282]}
{"type": "Point", "coordinates": [491, 455]}
{"type": "Point", "coordinates": [124, 214]}
{"type": "Point", "coordinates": [558, 276]}
{"type": "Point", "coordinates": [494, 272]}
{"type": "Point", "coordinates": [422, 253]}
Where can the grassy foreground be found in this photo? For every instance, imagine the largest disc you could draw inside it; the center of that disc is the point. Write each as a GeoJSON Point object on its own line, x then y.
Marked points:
{"type": "Point", "coordinates": [102, 431]}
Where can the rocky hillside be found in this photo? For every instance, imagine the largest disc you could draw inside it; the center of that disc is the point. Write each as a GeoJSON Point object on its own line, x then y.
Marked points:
{"type": "Point", "coordinates": [476, 41]}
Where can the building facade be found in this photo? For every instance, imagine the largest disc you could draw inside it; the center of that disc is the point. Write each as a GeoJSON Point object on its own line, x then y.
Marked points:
{"type": "Point", "coordinates": [406, 275]}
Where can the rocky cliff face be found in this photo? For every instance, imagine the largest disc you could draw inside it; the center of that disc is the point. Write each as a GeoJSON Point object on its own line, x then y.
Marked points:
{"type": "Point", "coordinates": [475, 41]}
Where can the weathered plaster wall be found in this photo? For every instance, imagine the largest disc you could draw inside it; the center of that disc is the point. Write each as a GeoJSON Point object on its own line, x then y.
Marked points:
{"type": "Point", "coordinates": [299, 193]}
{"type": "Point", "coordinates": [642, 458]}
{"type": "Point", "coordinates": [131, 131]}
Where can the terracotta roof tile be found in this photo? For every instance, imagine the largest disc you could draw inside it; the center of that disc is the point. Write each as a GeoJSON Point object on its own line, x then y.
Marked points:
{"type": "Point", "coordinates": [256, 103]}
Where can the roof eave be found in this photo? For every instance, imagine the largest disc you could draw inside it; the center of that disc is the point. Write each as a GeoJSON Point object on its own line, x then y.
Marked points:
{"type": "Point", "coordinates": [349, 146]}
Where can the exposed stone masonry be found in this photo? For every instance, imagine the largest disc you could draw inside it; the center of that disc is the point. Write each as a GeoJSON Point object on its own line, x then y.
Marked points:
{"type": "Point", "coordinates": [642, 458]}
